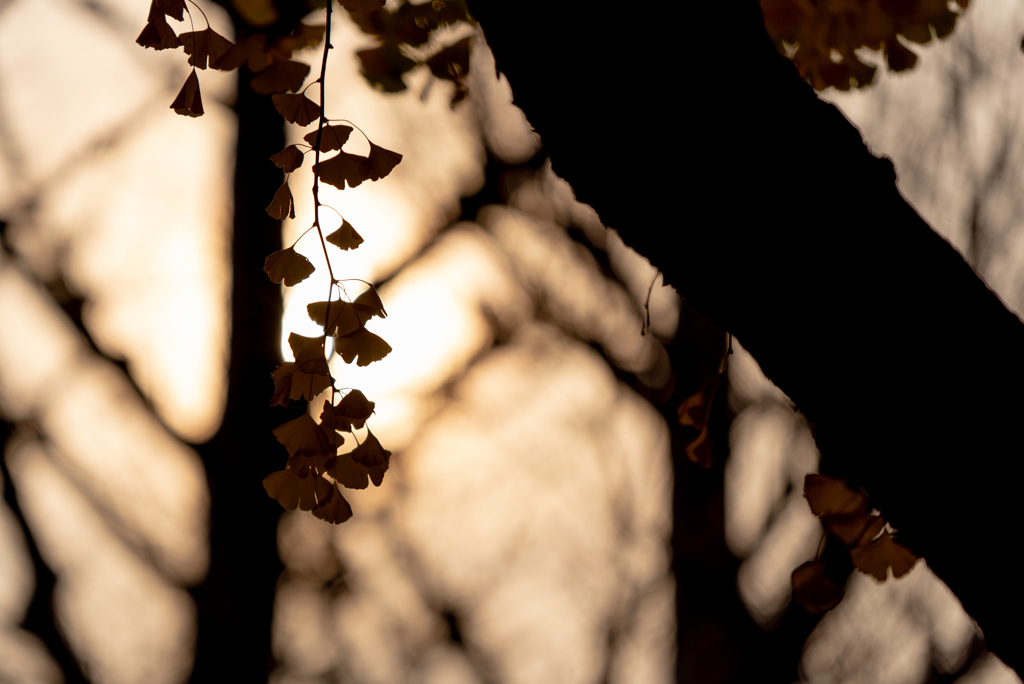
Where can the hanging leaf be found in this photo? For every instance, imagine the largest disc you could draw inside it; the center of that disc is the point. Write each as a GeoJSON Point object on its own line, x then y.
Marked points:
{"type": "Point", "coordinates": [303, 36]}
{"type": "Point", "coordinates": [203, 46]}
{"type": "Point", "coordinates": [292, 491]}
{"type": "Point", "coordinates": [362, 346]}
{"type": "Point", "coordinates": [333, 137]}
{"type": "Point", "coordinates": [280, 77]}
{"type": "Point", "coordinates": [876, 557]}
{"type": "Point", "coordinates": [289, 266]}
{"type": "Point", "coordinates": [370, 453]}
{"type": "Point", "coordinates": [369, 302]}
{"type": "Point", "coordinates": [351, 411]}
{"type": "Point", "coordinates": [283, 205]}
{"type": "Point", "coordinates": [288, 159]}
{"type": "Point", "coordinates": [343, 168]}
{"type": "Point", "coordinates": [158, 34]}
{"type": "Point", "coordinates": [251, 51]}
{"type": "Point", "coordinates": [189, 101]}
{"type": "Point", "coordinates": [302, 436]}
{"type": "Point", "coordinates": [348, 473]}
{"type": "Point", "coordinates": [345, 237]}
{"type": "Point", "coordinates": [333, 508]}
{"type": "Point", "coordinates": [344, 317]}
{"type": "Point", "coordinates": [832, 496]}
{"type": "Point", "coordinates": [382, 162]}
{"type": "Point", "coordinates": [297, 109]}
{"type": "Point", "coordinates": [171, 8]}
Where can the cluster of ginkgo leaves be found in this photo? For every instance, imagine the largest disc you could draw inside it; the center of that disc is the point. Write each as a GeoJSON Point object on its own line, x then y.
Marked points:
{"type": "Point", "coordinates": [822, 37]}
{"type": "Point", "coordinates": [316, 467]}
{"type": "Point", "coordinates": [865, 535]}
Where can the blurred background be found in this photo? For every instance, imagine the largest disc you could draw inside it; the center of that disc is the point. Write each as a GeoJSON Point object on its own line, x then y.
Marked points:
{"type": "Point", "coordinates": [534, 525]}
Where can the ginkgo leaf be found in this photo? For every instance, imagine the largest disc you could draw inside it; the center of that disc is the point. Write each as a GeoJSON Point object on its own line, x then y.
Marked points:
{"type": "Point", "coordinates": [852, 528]}
{"type": "Point", "coordinates": [251, 51]}
{"type": "Point", "coordinates": [384, 65]}
{"type": "Point", "coordinates": [302, 436]}
{"type": "Point", "coordinates": [158, 34]}
{"type": "Point", "coordinates": [292, 491]}
{"type": "Point", "coordinates": [204, 45]}
{"type": "Point", "coordinates": [369, 302]}
{"type": "Point", "coordinates": [362, 6]}
{"type": "Point", "coordinates": [283, 204]}
{"type": "Point", "coordinates": [382, 161]}
{"type": "Point", "coordinates": [189, 101]}
{"type": "Point", "coordinates": [343, 168]}
{"type": "Point", "coordinates": [370, 453]}
{"type": "Point", "coordinates": [813, 590]}
{"type": "Point", "coordinates": [288, 159]}
{"type": "Point", "coordinates": [302, 37]}
{"type": "Point", "coordinates": [280, 77]}
{"type": "Point", "coordinates": [333, 508]}
{"type": "Point", "coordinates": [351, 411]}
{"type": "Point", "coordinates": [348, 473]}
{"type": "Point", "coordinates": [695, 412]}
{"type": "Point", "coordinates": [289, 266]}
{"type": "Point", "coordinates": [172, 8]}
{"type": "Point", "coordinates": [876, 557]}
{"type": "Point", "coordinates": [832, 496]}
{"type": "Point", "coordinates": [344, 317]}
{"type": "Point", "coordinates": [345, 237]}
{"type": "Point", "coordinates": [293, 382]}
{"type": "Point", "coordinates": [332, 137]}
{"type": "Point", "coordinates": [303, 462]}
{"type": "Point", "coordinates": [297, 109]}
{"type": "Point", "coordinates": [362, 346]}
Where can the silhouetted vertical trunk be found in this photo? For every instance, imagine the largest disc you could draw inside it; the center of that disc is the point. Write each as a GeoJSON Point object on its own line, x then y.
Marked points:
{"type": "Point", "coordinates": [760, 203]}
{"type": "Point", "coordinates": [235, 601]}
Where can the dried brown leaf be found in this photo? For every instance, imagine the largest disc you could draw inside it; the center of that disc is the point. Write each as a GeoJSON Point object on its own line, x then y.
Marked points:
{"type": "Point", "coordinates": [288, 159]}
{"type": "Point", "coordinates": [283, 204]}
{"type": "Point", "coordinates": [361, 346]}
{"type": "Point", "coordinates": [382, 162]}
{"type": "Point", "coordinates": [343, 168]}
{"type": "Point", "coordinates": [158, 34]}
{"type": "Point", "coordinates": [203, 46]}
{"type": "Point", "coordinates": [333, 137]}
{"type": "Point", "coordinates": [189, 101]}
{"type": "Point", "coordinates": [345, 237]}
{"type": "Point", "coordinates": [289, 266]}
{"type": "Point", "coordinates": [298, 109]}
{"type": "Point", "coordinates": [280, 77]}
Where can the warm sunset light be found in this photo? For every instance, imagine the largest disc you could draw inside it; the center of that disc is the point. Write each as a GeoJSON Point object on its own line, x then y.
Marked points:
{"type": "Point", "coordinates": [482, 462]}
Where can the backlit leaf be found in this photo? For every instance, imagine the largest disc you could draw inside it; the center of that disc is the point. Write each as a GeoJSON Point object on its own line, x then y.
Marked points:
{"type": "Point", "coordinates": [158, 34]}
{"type": "Point", "coordinates": [333, 137]}
{"type": "Point", "coordinates": [280, 77]}
{"type": "Point", "coordinates": [289, 266]}
{"type": "Point", "coordinates": [831, 496]}
{"type": "Point", "coordinates": [172, 8]}
{"type": "Point", "coordinates": [361, 346]}
{"type": "Point", "coordinates": [370, 453]}
{"type": "Point", "coordinates": [283, 204]}
{"type": "Point", "coordinates": [333, 508]}
{"type": "Point", "coordinates": [251, 51]}
{"type": "Point", "coordinates": [351, 411]}
{"type": "Point", "coordinates": [345, 237]}
{"type": "Point", "coordinates": [353, 475]}
{"type": "Point", "coordinates": [382, 162]}
{"type": "Point", "coordinates": [876, 557]}
{"type": "Point", "coordinates": [344, 317]}
{"type": "Point", "coordinates": [204, 45]}
{"type": "Point", "coordinates": [298, 109]}
{"type": "Point", "coordinates": [369, 303]}
{"type": "Point", "coordinates": [189, 101]}
{"type": "Point", "coordinates": [343, 168]}
{"type": "Point", "coordinates": [293, 491]}
{"type": "Point", "coordinates": [302, 37]}
{"type": "Point", "coordinates": [302, 436]}
{"type": "Point", "coordinates": [288, 159]}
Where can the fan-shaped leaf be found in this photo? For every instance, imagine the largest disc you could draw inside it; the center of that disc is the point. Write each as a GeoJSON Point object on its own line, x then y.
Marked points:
{"type": "Point", "coordinates": [189, 101]}
{"type": "Point", "coordinates": [298, 109]}
{"type": "Point", "coordinates": [289, 266]}
{"type": "Point", "coordinates": [345, 237]}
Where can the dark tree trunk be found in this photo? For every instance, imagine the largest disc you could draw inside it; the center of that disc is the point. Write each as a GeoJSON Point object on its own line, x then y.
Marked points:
{"type": "Point", "coordinates": [761, 204]}
{"type": "Point", "coordinates": [235, 602]}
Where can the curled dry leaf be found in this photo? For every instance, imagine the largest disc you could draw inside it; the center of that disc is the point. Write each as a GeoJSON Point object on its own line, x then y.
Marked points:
{"type": "Point", "coordinates": [289, 266]}
{"type": "Point", "coordinates": [332, 137]}
{"type": "Point", "coordinates": [345, 237]}
{"type": "Point", "coordinates": [189, 101]}
{"type": "Point", "coordinates": [288, 159]}
{"type": "Point", "coordinates": [158, 34]}
{"type": "Point", "coordinates": [280, 77]}
{"type": "Point", "coordinates": [203, 46]}
{"type": "Point", "coordinates": [283, 204]}
{"type": "Point", "coordinates": [297, 109]}
{"type": "Point", "coordinates": [361, 346]}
